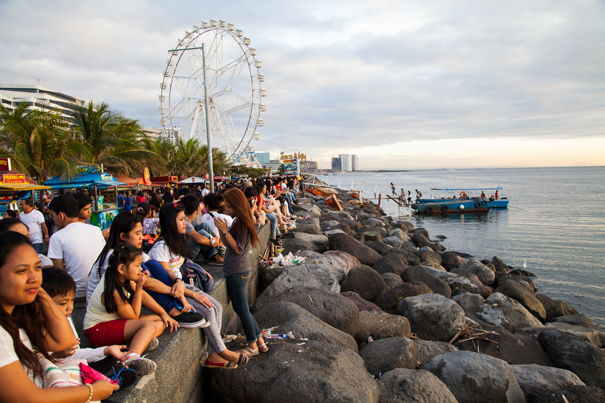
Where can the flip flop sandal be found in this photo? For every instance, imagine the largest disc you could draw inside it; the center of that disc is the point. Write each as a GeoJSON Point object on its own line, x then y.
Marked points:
{"type": "Point", "coordinates": [219, 365]}
{"type": "Point", "coordinates": [242, 359]}
{"type": "Point", "coordinates": [263, 348]}
{"type": "Point", "coordinates": [248, 351]}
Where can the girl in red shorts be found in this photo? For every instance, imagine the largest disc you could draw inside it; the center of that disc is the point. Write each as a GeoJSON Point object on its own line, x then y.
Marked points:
{"type": "Point", "coordinates": [113, 315]}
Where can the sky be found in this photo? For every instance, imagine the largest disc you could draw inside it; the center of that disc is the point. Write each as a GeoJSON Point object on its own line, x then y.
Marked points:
{"type": "Point", "coordinates": [403, 84]}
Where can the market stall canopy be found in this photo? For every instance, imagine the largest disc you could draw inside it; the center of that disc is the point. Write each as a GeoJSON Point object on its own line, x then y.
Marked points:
{"type": "Point", "coordinates": [12, 180]}
{"type": "Point", "coordinates": [159, 180]}
{"type": "Point", "coordinates": [101, 180]}
{"type": "Point", "coordinates": [128, 180]}
{"type": "Point", "coordinates": [192, 180]}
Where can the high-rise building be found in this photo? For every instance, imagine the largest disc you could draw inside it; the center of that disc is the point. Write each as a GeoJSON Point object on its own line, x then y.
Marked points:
{"type": "Point", "coordinates": [345, 162]}
{"type": "Point", "coordinates": [355, 162]}
{"type": "Point", "coordinates": [263, 158]}
{"type": "Point", "coordinates": [40, 98]}
{"type": "Point", "coordinates": [336, 164]}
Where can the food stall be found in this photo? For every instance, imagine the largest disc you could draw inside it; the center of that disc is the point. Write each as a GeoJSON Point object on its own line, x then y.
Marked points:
{"type": "Point", "coordinates": [16, 186]}
{"type": "Point", "coordinates": [103, 189]}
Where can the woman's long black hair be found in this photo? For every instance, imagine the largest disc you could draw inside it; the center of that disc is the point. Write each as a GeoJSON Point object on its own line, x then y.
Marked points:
{"type": "Point", "coordinates": [177, 244]}
{"type": "Point", "coordinates": [28, 317]}
{"type": "Point", "coordinates": [122, 254]}
{"type": "Point", "coordinates": [122, 224]}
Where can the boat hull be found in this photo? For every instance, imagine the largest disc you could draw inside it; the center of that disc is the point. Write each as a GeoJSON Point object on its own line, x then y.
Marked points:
{"type": "Point", "coordinates": [457, 206]}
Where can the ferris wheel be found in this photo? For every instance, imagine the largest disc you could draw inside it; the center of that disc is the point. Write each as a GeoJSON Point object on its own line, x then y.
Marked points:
{"type": "Point", "coordinates": [233, 85]}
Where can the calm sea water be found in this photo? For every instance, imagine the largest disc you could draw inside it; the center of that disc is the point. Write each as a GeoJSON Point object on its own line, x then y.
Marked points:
{"type": "Point", "coordinates": [555, 222]}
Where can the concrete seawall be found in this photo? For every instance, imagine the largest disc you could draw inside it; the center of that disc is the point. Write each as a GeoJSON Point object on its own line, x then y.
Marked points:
{"type": "Point", "coordinates": [179, 377]}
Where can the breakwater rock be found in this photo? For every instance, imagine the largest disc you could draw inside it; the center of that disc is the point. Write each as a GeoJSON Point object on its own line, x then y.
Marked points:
{"type": "Point", "coordinates": [381, 313]}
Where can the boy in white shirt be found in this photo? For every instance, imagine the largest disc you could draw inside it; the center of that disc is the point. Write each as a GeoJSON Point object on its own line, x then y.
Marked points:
{"type": "Point", "coordinates": [75, 244]}
{"type": "Point", "coordinates": [61, 288]}
{"type": "Point", "coordinates": [34, 220]}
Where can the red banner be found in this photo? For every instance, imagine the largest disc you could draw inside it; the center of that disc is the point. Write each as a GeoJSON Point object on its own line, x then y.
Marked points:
{"type": "Point", "coordinates": [5, 164]}
{"type": "Point", "coordinates": [13, 178]}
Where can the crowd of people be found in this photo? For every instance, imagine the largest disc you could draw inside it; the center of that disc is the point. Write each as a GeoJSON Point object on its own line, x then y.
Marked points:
{"type": "Point", "coordinates": [146, 258]}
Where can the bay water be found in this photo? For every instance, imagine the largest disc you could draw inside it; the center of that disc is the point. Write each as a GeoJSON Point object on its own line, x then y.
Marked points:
{"type": "Point", "coordinates": [555, 223]}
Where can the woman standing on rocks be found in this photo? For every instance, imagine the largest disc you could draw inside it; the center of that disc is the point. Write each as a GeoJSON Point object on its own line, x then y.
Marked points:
{"type": "Point", "coordinates": [237, 267]}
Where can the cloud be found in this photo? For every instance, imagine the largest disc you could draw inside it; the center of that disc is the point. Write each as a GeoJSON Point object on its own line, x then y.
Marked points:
{"type": "Point", "coordinates": [340, 74]}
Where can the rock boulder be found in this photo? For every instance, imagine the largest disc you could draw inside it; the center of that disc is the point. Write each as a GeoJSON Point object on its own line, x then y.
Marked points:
{"type": "Point", "coordinates": [555, 308]}
{"type": "Point", "coordinates": [473, 377]}
{"type": "Point", "coordinates": [303, 324]}
{"type": "Point", "coordinates": [314, 372]}
{"type": "Point", "coordinates": [391, 263]}
{"type": "Point", "coordinates": [432, 316]}
{"type": "Point", "coordinates": [421, 275]}
{"type": "Point", "coordinates": [365, 281]}
{"type": "Point", "coordinates": [536, 380]}
{"type": "Point", "coordinates": [516, 291]}
{"type": "Point", "coordinates": [413, 386]}
{"type": "Point", "coordinates": [346, 243]}
{"type": "Point", "coordinates": [568, 351]}
{"type": "Point", "coordinates": [388, 301]}
{"type": "Point", "coordinates": [381, 325]}
{"type": "Point", "coordinates": [384, 355]}
{"type": "Point", "coordinates": [472, 266]}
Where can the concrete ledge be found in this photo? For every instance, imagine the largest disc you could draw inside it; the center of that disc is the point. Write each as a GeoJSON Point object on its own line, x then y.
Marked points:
{"type": "Point", "coordinates": [179, 376]}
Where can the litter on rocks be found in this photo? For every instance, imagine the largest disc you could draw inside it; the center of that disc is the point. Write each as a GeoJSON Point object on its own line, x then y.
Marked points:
{"type": "Point", "coordinates": [283, 261]}
{"type": "Point", "coordinates": [280, 336]}
{"type": "Point", "coordinates": [229, 337]}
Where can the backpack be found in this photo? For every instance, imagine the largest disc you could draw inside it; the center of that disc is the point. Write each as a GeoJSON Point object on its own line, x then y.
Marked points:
{"type": "Point", "coordinates": [195, 275]}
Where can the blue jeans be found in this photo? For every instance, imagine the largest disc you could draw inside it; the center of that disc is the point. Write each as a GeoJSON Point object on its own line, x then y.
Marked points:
{"type": "Point", "coordinates": [290, 198]}
{"type": "Point", "coordinates": [236, 288]}
{"type": "Point", "coordinates": [38, 247]}
{"type": "Point", "coordinates": [273, 221]}
{"type": "Point", "coordinates": [206, 250]}
{"type": "Point", "coordinates": [157, 271]}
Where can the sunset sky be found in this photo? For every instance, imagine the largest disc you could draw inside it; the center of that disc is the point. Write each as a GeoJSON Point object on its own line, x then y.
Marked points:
{"type": "Point", "coordinates": [403, 84]}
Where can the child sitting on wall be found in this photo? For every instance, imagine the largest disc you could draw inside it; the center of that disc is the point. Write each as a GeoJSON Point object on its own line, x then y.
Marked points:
{"type": "Point", "coordinates": [61, 288]}
{"type": "Point", "coordinates": [113, 315]}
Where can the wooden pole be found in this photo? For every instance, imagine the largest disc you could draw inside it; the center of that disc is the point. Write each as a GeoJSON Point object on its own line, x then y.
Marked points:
{"type": "Point", "coordinates": [379, 199]}
{"type": "Point", "coordinates": [96, 199]}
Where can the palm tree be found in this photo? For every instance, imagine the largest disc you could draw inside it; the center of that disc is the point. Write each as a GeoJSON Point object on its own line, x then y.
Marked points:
{"type": "Point", "coordinates": [110, 139]}
{"type": "Point", "coordinates": [191, 159]}
{"type": "Point", "coordinates": [38, 142]}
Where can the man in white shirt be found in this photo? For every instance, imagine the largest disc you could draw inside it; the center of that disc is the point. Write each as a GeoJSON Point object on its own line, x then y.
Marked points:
{"type": "Point", "coordinates": [34, 220]}
{"type": "Point", "coordinates": [75, 244]}
{"type": "Point", "coordinates": [204, 190]}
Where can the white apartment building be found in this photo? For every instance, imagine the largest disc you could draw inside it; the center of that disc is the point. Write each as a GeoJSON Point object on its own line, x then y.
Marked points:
{"type": "Point", "coordinates": [11, 96]}
{"type": "Point", "coordinates": [345, 162]}
{"type": "Point", "coordinates": [355, 162]}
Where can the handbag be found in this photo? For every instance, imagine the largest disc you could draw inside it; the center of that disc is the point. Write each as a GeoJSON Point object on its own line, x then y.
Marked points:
{"type": "Point", "coordinates": [91, 375]}
{"type": "Point", "coordinates": [195, 275]}
{"type": "Point", "coordinates": [64, 372]}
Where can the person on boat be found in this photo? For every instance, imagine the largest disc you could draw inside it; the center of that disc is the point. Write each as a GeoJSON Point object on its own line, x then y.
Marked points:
{"type": "Point", "coordinates": [482, 195]}
{"type": "Point", "coordinates": [496, 195]}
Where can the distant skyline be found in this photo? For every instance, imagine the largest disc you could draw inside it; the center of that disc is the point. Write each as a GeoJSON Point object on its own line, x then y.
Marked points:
{"type": "Point", "coordinates": [402, 84]}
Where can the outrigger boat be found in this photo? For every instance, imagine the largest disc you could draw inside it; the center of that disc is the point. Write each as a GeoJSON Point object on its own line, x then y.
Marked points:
{"type": "Point", "coordinates": [458, 203]}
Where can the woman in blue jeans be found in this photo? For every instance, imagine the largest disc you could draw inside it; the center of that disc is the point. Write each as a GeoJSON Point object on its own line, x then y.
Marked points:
{"type": "Point", "coordinates": [236, 267]}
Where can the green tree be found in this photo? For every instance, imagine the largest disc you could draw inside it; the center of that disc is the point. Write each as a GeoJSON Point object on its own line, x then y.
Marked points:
{"type": "Point", "coordinates": [38, 142]}
{"type": "Point", "coordinates": [110, 139]}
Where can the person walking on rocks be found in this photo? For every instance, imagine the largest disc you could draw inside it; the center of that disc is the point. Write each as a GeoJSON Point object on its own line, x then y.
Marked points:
{"type": "Point", "coordinates": [238, 239]}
